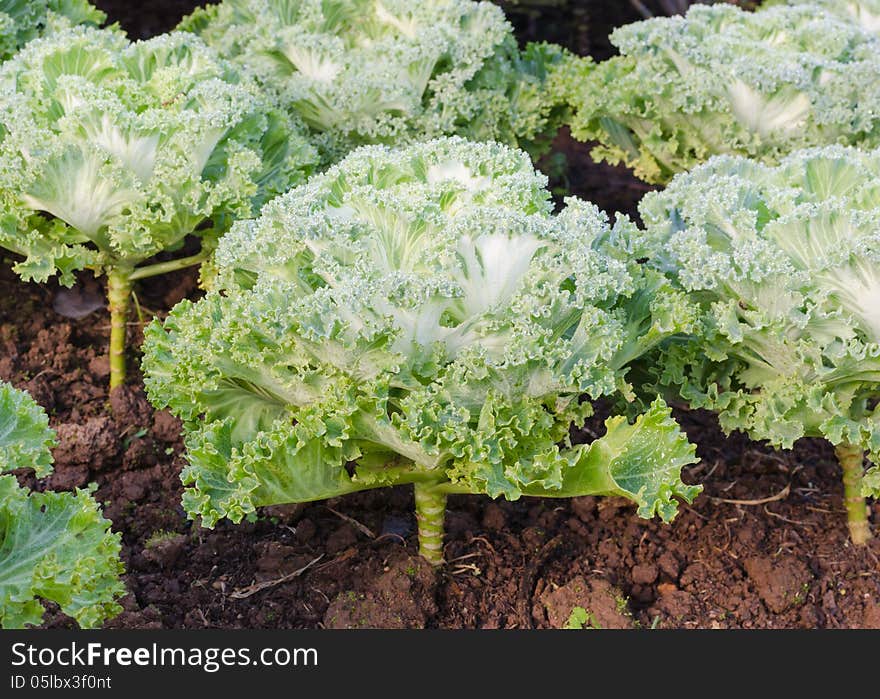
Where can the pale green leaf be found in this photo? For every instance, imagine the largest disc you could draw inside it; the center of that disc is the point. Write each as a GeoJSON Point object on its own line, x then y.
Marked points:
{"type": "Point", "coordinates": [25, 437]}
{"type": "Point", "coordinates": [55, 547]}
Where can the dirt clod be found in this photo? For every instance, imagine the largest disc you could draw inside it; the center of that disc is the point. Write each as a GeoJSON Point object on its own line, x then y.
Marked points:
{"type": "Point", "coordinates": [402, 598]}
{"type": "Point", "coordinates": [781, 583]}
{"type": "Point", "coordinates": [165, 550]}
{"type": "Point", "coordinates": [605, 606]}
{"type": "Point", "coordinates": [644, 573]}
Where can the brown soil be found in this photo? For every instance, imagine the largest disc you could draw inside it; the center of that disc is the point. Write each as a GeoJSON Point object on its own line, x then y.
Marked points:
{"type": "Point", "coordinates": [737, 558]}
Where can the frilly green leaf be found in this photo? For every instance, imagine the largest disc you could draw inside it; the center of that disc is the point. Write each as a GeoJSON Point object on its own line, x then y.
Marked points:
{"type": "Point", "coordinates": [53, 546]}
{"type": "Point", "coordinates": [24, 20]}
{"type": "Point", "coordinates": [641, 462]}
{"type": "Point", "coordinates": [25, 437]}
{"type": "Point", "coordinates": [866, 13]}
{"type": "Point", "coordinates": [56, 547]}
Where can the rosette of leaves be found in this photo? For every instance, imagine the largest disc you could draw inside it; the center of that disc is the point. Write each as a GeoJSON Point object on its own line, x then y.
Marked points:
{"type": "Point", "coordinates": [23, 20]}
{"type": "Point", "coordinates": [725, 81]}
{"type": "Point", "coordinates": [785, 263]}
{"type": "Point", "coordinates": [392, 71]}
{"type": "Point", "coordinates": [112, 152]}
{"type": "Point", "coordinates": [418, 316]}
{"type": "Point", "coordinates": [53, 546]}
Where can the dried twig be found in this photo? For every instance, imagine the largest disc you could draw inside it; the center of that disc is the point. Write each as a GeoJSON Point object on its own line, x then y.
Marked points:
{"type": "Point", "coordinates": [781, 495]}
{"type": "Point", "coordinates": [786, 519]}
{"type": "Point", "coordinates": [344, 556]}
{"type": "Point", "coordinates": [825, 511]}
{"type": "Point", "coordinates": [390, 535]}
{"type": "Point", "coordinates": [467, 556]}
{"type": "Point", "coordinates": [362, 528]}
{"type": "Point", "coordinates": [467, 568]}
{"type": "Point", "coordinates": [245, 592]}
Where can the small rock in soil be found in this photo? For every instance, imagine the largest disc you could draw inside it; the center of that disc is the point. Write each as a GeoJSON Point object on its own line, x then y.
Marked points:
{"type": "Point", "coordinates": [643, 594]}
{"type": "Point", "coordinates": [578, 527]}
{"type": "Point", "coordinates": [41, 391]}
{"type": "Point", "coordinates": [7, 367]}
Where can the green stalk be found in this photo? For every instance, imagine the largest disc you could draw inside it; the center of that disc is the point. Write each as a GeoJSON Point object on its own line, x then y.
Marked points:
{"type": "Point", "coordinates": [851, 460]}
{"type": "Point", "coordinates": [430, 515]}
{"type": "Point", "coordinates": [118, 295]}
{"type": "Point", "coordinates": [169, 266]}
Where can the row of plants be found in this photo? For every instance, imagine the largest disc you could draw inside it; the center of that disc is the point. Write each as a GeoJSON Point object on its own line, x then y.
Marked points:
{"type": "Point", "coordinates": [391, 297]}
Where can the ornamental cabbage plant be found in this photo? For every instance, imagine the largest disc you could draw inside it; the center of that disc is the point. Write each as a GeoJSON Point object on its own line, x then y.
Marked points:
{"type": "Point", "coordinates": [725, 81]}
{"type": "Point", "coordinates": [418, 316]}
{"type": "Point", "coordinates": [112, 152]}
{"type": "Point", "coordinates": [864, 12]}
{"type": "Point", "coordinates": [23, 20]}
{"type": "Point", "coordinates": [53, 546]}
{"type": "Point", "coordinates": [391, 71]}
{"type": "Point", "coordinates": [785, 263]}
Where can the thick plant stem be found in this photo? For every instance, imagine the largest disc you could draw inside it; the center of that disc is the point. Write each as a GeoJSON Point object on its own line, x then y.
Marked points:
{"type": "Point", "coordinates": [851, 459]}
{"type": "Point", "coordinates": [169, 266]}
{"type": "Point", "coordinates": [118, 294]}
{"type": "Point", "coordinates": [430, 515]}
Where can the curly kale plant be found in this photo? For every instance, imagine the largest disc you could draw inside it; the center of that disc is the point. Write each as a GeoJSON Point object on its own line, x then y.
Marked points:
{"type": "Point", "coordinates": [725, 81]}
{"type": "Point", "coordinates": [391, 71]}
{"type": "Point", "coordinates": [112, 152]}
{"type": "Point", "coordinates": [23, 20]}
{"type": "Point", "coordinates": [53, 546]}
{"type": "Point", "coordinates": [417, 316]}
{"type": "Point", "coordinates": [865, 12]}
{"type": "Point", "coordinates": [785, 262]}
